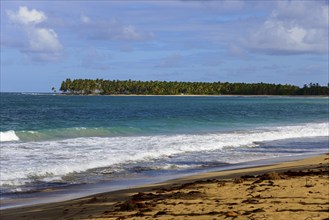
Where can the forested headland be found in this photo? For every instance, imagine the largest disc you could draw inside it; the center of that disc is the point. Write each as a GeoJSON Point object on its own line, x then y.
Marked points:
{"type": "Point", "coordinates": [131, 87]}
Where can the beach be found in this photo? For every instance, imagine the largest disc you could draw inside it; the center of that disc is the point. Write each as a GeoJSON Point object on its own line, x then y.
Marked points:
{"type": "Point", "coordinates": [289, 190]}
{"type": "Point", "coordinates": [164, 110]}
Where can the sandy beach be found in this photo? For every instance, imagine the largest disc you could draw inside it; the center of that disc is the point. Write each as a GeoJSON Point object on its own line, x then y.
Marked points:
{"type": "Point", "coordinates": [290, 190]}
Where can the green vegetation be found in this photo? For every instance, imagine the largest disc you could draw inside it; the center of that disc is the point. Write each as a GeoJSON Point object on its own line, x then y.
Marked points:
{"type": "Point", "coordinates": [126, 87]}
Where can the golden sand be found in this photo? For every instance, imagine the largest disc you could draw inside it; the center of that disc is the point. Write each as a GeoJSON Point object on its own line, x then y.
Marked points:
{"type": "Point", "coordinates": [296, 190]}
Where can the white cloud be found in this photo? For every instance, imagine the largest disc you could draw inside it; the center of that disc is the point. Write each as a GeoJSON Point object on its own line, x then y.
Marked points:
{"type": "Point", "coordinates": [44, 40]}
{"type": "Point", "coordinates": [26, 17]}
{"type": "Point", "coordinates": [42, 43]}
{"type": "Point", "coordinates": [293, 27]}
{"type": "Point", "coordinates": [130, 32]}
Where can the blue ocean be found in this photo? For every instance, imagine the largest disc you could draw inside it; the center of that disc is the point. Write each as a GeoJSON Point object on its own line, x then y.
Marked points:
{"type": "Point", "coordinates": [50, 141]}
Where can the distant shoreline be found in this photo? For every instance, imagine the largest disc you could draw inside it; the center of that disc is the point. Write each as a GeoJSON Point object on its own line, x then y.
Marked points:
{"type": "Point", "coordinates": [123, 87]}
{"type": "Point", "coordinates": [140, 95]}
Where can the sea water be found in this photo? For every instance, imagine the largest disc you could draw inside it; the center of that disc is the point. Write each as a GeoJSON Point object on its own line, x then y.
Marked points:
{"type": "Point", "coordinates": [50, 141]}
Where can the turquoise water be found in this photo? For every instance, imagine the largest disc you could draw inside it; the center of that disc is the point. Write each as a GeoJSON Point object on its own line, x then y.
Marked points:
{"type": "Point", "coordinates": [49, 140]}
{"type": "Point", "coordinates": [43, 117]}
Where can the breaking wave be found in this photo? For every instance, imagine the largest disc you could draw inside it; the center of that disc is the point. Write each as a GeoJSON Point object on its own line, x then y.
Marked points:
{"type": "Point", "coordinates": [54, 159]}
{"type": "Point", "coordinates": [65, 133]}
{"type": "Point", "coordinates": [8, 136]}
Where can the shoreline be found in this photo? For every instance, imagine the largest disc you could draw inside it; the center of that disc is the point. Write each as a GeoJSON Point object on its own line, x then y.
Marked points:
{"type": "Point", "coordinates": [106, 204]}
{"type": "Point", "coordinates": [77, 191]}
{"type": "Point", "coordinates": [189, 95]}
{"type": "Point", "coordinates": [184, 95]}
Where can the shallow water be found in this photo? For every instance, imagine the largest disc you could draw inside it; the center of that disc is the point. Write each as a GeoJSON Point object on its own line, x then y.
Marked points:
{"type": "Point", "coordinates": [52, 141]}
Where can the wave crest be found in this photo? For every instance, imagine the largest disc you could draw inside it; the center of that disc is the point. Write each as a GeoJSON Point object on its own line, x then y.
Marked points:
{"type": "Point", "coordinates": [6, 136]}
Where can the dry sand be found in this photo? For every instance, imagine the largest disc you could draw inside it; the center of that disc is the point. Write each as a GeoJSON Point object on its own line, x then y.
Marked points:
{"type": "Point", "coordinates": [296, 190]}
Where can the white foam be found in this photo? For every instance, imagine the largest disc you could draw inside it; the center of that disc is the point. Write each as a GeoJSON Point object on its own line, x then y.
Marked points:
{"type": "Point", "coordinates": [8, 136]}
{"type": "Point", "coordinates": [55, 159]}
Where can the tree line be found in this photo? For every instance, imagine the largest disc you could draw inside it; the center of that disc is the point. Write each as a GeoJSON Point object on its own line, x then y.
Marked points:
{"type": "Point", "coordinates": [126, 87]}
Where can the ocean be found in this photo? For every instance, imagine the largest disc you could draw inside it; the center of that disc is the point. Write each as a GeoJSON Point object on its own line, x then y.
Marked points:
{"type": "Point", "coordinates": [55, 141]}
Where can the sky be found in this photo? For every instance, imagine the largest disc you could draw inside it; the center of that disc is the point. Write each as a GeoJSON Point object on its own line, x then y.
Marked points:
{"type": "Point", "coordinates": [45, 42]}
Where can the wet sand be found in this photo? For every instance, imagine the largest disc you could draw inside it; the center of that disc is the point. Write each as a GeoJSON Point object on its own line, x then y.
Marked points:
{"type": "Point", "coordinates": [290, 190]}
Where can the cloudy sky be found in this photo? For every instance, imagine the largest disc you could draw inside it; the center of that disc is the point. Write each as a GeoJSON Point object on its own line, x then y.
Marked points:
{"type": "Point", "coordinates": [45, 42]}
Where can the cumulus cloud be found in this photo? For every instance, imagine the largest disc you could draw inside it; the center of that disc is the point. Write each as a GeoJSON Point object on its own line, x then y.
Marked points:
{"type": "Point", "coordinates": [294, 27]}
{"type": "Point", "coordinates": [26, 17]}
{"type": "Point", "coordinates": [44, 40]}
{"type": "Point", "coordinates": [42, 44]}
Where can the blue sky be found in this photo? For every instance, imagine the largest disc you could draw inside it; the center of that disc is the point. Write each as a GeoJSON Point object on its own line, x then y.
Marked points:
{"type": "Point", "coordinates": [45, 42]}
